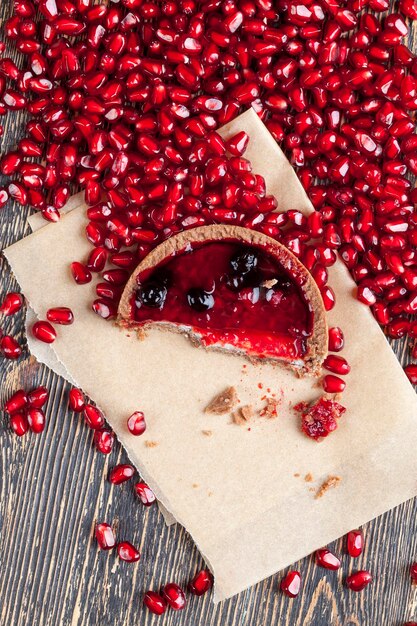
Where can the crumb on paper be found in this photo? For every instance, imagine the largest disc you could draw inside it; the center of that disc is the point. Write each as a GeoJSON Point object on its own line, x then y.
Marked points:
{"type": "Point", "coordinates": [268, 284]}
{"type": "Point", "coordinates": [260, 386]}
{"type": "Point", "coordinates": [207, 433]}
{"type": "Point", "coordinates": [329, 483]}
{"type": "Point", "coordinates": [195, 485]}
{"type": "Point", "coordinates": [296, 475]}
{"type": "Point", "coordinates": [270, 410]}
{"type": "Point", "coordinates": [210, 493]}
{"type": "Point", "coordinates": [308, 478]}
{"type": "Point", "coordinates": [223, 402]}
{"type": "Point", "coordinates": [141, 334]}
{"type": "Point", "coordinates": [243, 414]}
{"type": "Point", "coordinates": [151, 444]}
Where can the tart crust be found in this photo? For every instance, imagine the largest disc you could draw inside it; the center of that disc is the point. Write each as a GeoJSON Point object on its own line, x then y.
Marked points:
{"type": "Point", "coordinates": [317, 343]}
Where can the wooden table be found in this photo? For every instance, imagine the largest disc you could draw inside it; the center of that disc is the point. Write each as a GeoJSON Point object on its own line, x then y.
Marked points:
{"type": "Point", "coordinates": [53, 488]}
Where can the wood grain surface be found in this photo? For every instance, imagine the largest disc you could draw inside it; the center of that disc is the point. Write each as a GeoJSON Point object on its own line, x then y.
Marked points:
{"type": "Point", "coordinates": [53, 489]}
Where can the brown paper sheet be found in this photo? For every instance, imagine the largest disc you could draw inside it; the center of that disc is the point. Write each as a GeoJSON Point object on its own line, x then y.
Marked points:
{"type": "Point", "coordinates": [235, 491]}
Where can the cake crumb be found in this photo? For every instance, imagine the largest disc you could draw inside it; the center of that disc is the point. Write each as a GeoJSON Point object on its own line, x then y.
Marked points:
{"type": "Point", "coordinates": [207, 433]}
{"type": "Point", "coordinates": [297, 475]}
{"type": "Point", "coordinates": [270, 410]}
{"type": "Point", "coordinates": [151, 444]}
{"type": "Point", "coordinates": [195, 485]}
{"type": "Point", "coordinates": [308, 478]}
{"type": "Point", "coordinates": [329, 483]}
{"type": "Point", "coordinates": [141, 334]}
{"type": "Point", "coordinates": [268, 284]}
{"type": "Point", "coordinates": [243, 414]}
{"type": "Point", "coordinates": [223, 402]}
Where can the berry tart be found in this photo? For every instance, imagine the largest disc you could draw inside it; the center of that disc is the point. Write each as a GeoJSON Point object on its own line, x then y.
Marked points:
{"type": "Point", "coordinates": [232, 289]}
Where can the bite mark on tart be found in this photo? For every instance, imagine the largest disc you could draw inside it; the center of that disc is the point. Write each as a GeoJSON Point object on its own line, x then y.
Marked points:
{"type": "Point", "coordinates": [232, 289]}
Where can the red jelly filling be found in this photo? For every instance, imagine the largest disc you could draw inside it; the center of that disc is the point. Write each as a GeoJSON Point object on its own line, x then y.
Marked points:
{"type": "Point", "coordinates": [231, 294]}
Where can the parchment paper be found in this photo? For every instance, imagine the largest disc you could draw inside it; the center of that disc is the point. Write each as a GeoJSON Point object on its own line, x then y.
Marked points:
{"type": "Point", "coordinates": [235, 491]}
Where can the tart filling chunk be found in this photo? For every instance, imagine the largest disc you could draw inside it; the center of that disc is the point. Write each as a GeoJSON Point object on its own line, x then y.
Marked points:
{"type": "Point", "coordinates": [233, 289]}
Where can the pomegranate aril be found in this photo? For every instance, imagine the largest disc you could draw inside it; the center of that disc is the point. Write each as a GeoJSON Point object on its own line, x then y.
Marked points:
{"type": "Point", "coordinates": [201, 583]}
{"type": "Point", "coordinates": [36, 420]}
{"type": "Point", "coordinates": [44, 331]}
{"type": "Point", "coordinates": [136, 423]}
{"type": "Point", "coordinates": [359, 580]}
{"type": "Point", "coordinates": [9, 347]}
{"type": "Point", "coordinates": [291, 583]}
{"type": "Point", "coordinates": [38, 397]}
{"type": "Point", "coordinates": [80, 273]}
{"type": "Point", "coordinates": [174, 596]}
{"type": "Point", "coordinates": [16, 402]}
{"type": "Point", "coordinates": [105, 536]}
{"type": "Point", "coordinates": [336, 364]}
{"type": "Point", "coordinates": [19, 424]}
{"type": "Point", "coordinates": [104, 440]}
{"type": "Point", "coordinates": [326, 559]}
{"type": "Point", "coordinates": [154, 602]}
{"type": "Point", "coordinates": [127, 552]}
{"type": "Point", "coordinates": [60, 315]}
{"type": "Point", "coordinates": [336, 339]}
{"type": "Point", "coordinates": [413, 572]}
{"type": "Point", "coordinates": [333, 384]}
{"type": "Point", "coordinates": [11, 304]}
{"type": "Point", "coordinates": [355, 543]}
{"type": "Point", "coordinates": [411, 372]}
{"type": "Point", "coordinates": [145, 493]}
{"type": "Point", "coordinates": [121, 473]}
{"type": "Point", "coordinates": [94, 417]}
{"type": "Point", "coordinates": [76, 400]}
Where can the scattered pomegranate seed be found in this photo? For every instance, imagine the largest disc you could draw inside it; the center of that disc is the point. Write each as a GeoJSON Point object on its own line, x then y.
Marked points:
{"type": "Point", "coordinates": [336, 364]}
{"type": "Point", "coordinates": [94, 417]}
{"type": "Point", "coordinates": [19, 424]}
{"type": "Point", "coordinates": [326, 559]}
{"type": "Point", "coordinates": [104, 440]}
{"type": "Point", "coordinates": [121, 473]}
{"type": "Point", "coordinates": [76, 400]}
{"type": "Point", "coordinates": [127, 552]}
{"type": "Point", "coordinates": [36, 420]}
{"type": "Point", "coordinates": [291, 584]}
{"type": "Point", "coordinates": [201, 583]}
{"type": "Point", "coordinates": [16, 402]}
{"type": "Point", "coordinates": [105, 536]}
{"type": "Point", "coordinates": [60, 315]}
{"type": "Point", "coordinates": [411, 372]}
{"type": "Point", "coordinates": [145, 494]}
{"type": "Point", "coordinates": [333, 384]}
{"type": "Point", "coordinates": [11, 304]}
{"type": "Point", "coordinates": [80, 273]}
{"type": "Point", "coordinates": [44, 331]}
{"type": "Point", "coordinates": [154, 603]}
{"type": "Point", "coordinates": [359, 580]}
{"type": "Point", "coordinates": [174, 596]}
{"type": "Point", "coordinates": [413, 572]}
{"type": "Point", "coordinates": [38, 397]}
{"type": "Point", "coordinates": [336, 339]}
{"type": "Point", "coordinates": [136, 423]}
{"type": "Point", "coordinates": [355, 543]}
{"type": "Point", "coordinates": [9, 347]}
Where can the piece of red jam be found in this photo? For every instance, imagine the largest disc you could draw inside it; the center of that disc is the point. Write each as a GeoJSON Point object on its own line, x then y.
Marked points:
{"type": "Point", "coordinates": [230, 294]}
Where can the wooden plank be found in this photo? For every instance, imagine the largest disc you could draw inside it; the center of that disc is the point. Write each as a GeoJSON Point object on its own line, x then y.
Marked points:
{"type": "Point", "coordinates": [53, 488]}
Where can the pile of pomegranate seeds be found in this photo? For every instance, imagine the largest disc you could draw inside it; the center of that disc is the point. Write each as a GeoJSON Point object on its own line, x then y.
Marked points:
{"type": "Point", "coordinates": [173, 596]}
{"type": "Point", "coordinates": [25, 410]}
{"type": "Point", "coordinates": [12, 303]}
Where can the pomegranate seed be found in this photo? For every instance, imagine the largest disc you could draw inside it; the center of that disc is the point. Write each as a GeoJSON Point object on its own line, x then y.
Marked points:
{"type": "Point", "coordinates": [201, 583]}
{"type": "Point", "coordinates": [145, 494]}
{"type": "Point", "coordinates": [19, 424]}
{"type": "Point", "coordinates": [60, 315]}
{"type": "Point", "coordinates": [121, 473]}
{"type": "Point", "coordinates": [127, 552]}
{"type": "Point", "coordinates": [104, 440]}
{"type": "Point", "coordinates": [154, 603]}
{"type": "Point", "coordinates": [336, 339]}
{"type": "Point", "coordinates": [44, 331]}
{"type": "Point", "coordinates": [9, 347]}
{"type": "Point", "coordinates": [174, 596]}
{"type": "Point", "coordinates": [80, 273]}
{"type": "Point", "coordinates": [105, 536]}
{"type": "Point", "coordinates": [16, 402]}
{"type": "Point", "coordinates": [291, 584]}
{"type": "Point", "coordinates": [355, 543]}
{"type": "Point", "coordinates": [38, 397]}
{"type": "Point", "coordinates": [333, 384]}
{"type": "Point", "coordinates": [94, 417]}
{"type": "Point", "coordinates": [136, 423]}
{"type": "Point", "coordinates": [36, 419]}
{"type": "Point", "coordinates": [411, 372]}
{"type": "Point", "coordinates": [359, 580]}
{"type": "Point", "coordinates": [336, 364]}
{"type": "Point", "coordinates": [76, 400]}
{"type": "Point", "coordinates": [326, 559]}
{"type": "Point", "coordinates": [12, 303]}
{"type": "Point", "coordinates": [413, 572]}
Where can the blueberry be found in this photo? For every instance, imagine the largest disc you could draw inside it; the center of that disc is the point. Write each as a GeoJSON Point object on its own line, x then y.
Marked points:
{"type": "Point", "coordinates": [152, 294]}
{"type": "Point", "coordinates": [200, 300]}
{"type": "Point", "coordinates": [243, 262]}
